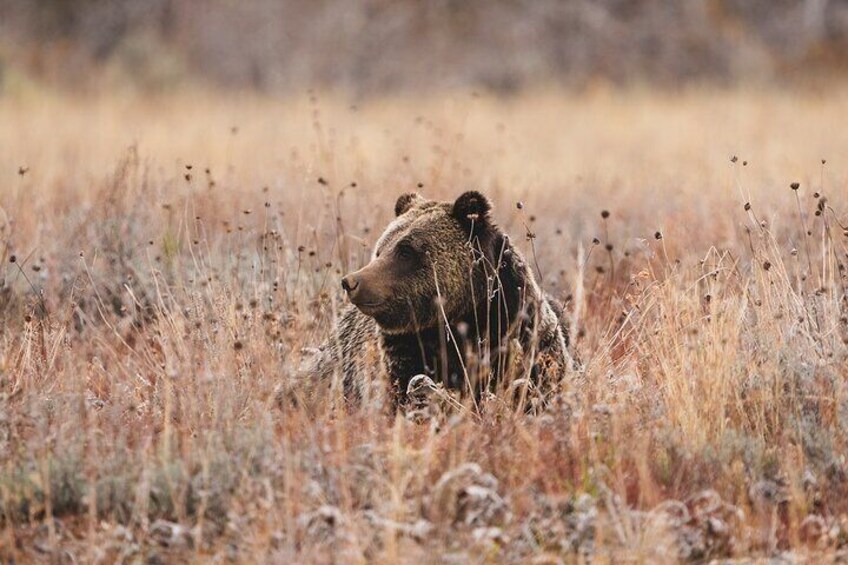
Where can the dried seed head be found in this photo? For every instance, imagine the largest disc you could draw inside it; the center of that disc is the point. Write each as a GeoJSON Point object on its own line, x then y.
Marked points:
{"type": "Point", "coordinates": [795, 186]}
{"type": "Point", "coordinates": [658, 235]}
{"type": "Point", "coordinates": [596, 241]}
{"type": "Point", "coordinates": [766, 265]}
{"type": "Point", "coordinates": [519, 205]}
{"type": "Point", "coordinates": [605, 214]}
{"type": "Point", "coordinates": [747, 206]}
{"type": "Point", "coordinates": [734, 158]}
{"type": "Point", "coordinates": [13, 259]}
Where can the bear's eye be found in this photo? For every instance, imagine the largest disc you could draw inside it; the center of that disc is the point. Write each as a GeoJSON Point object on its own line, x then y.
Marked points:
{"type": "Point", "coordinates": [405, 250]}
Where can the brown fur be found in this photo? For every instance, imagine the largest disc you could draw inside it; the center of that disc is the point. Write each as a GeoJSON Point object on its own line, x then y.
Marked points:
{"type": "Point", "coordinates": [447, 295]}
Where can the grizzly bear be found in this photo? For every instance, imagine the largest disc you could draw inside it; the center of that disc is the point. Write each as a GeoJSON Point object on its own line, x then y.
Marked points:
{"type": "Point", "coordinates": [445, 294]}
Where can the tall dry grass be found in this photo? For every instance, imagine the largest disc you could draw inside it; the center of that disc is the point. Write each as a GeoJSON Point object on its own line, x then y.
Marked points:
{"type": "Point", "coordinates": [165, 262]}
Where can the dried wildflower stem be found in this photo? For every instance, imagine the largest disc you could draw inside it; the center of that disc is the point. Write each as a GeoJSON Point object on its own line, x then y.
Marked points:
{"type": "Point", "coordinates": [804, 233]}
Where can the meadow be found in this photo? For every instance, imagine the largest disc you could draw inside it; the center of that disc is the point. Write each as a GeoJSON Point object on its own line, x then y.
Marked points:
{"type": "Point", "coordinates": [168, 260]}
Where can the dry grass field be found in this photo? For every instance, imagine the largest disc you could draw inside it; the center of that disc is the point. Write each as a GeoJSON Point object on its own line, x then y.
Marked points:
{"type": "Point", "coordinates": [166, 260]}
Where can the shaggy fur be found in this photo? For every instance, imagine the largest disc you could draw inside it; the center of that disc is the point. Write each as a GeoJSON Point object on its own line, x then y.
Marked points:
{"type": "Point", "coordinates": [447, 295]}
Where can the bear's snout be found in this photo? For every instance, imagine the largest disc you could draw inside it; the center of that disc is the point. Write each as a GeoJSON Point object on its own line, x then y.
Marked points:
{"type": "Point", "coordinates": [362, 290]}
{"type": "Point", "coordinates": [350, 283]}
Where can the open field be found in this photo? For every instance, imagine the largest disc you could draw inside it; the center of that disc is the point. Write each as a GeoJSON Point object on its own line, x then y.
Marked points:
{"type": "Point", "coordinates": [165, 260]}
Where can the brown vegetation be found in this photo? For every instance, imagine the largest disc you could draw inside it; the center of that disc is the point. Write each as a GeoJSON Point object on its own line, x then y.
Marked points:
{"type": "Point", "coordinates": [165, 261]}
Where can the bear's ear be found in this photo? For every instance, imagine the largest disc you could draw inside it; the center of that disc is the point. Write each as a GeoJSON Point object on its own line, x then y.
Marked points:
{"type": "Point", "coordinates": [406, 201]}
{"type": "Point", "coordinates": [472, 208]}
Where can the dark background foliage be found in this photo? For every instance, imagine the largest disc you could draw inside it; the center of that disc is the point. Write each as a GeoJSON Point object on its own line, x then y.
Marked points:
{"type": "Point", "coordinates": [376, 46]}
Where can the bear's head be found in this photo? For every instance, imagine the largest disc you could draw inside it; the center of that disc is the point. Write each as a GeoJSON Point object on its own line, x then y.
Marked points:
{"type": "Point", "coordinates": [433, 263]}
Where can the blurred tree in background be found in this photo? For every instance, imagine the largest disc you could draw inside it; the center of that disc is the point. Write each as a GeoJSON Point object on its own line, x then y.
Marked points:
{"type": "Point", "coordinates": [375, 46]}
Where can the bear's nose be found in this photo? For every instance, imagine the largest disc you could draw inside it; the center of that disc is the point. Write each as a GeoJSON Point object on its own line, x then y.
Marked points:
{"type": "Point", "coordinates": [349, 283]}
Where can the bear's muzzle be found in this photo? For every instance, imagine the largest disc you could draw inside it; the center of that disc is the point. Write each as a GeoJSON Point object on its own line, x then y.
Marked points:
{"type": "Point", "coordinates": [362, 291]}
